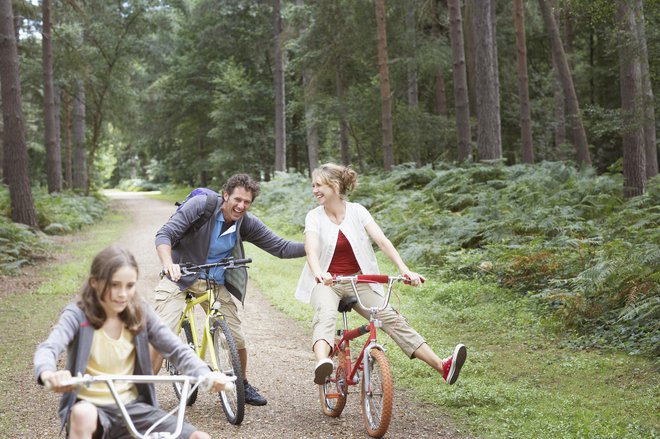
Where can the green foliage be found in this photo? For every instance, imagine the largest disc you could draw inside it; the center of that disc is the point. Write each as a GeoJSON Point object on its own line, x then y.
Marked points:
{"type": "Point", "coordinates": [562, 237]}
{"type": "Point", "coordinates": [57, 214]}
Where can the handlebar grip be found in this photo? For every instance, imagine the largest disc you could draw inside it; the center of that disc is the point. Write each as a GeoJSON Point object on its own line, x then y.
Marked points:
{"type": "Point", "coordinates": [242, 261]}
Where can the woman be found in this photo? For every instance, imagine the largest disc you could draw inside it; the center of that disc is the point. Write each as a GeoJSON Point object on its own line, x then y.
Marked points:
{"type": "Point", "coordinates": [108, 332]}
{"type": "Point", "coordinates": [337, 243]}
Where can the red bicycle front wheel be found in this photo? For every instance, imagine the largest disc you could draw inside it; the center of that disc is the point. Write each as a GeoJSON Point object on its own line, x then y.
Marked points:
{"type": "Point", "coordinates": [377, 395]}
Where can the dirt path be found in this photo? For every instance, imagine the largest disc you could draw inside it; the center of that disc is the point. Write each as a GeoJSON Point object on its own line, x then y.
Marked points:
{"type": "Point", "coordinates": [279, 365]}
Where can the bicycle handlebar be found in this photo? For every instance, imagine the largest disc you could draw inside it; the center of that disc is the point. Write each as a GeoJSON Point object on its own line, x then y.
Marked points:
{"type": "Point", "coordinates": [109, 380]}
{"type": "Point", "coordinates": [189, 269]}
{"type": "Point", "coordinates": [373, 278]}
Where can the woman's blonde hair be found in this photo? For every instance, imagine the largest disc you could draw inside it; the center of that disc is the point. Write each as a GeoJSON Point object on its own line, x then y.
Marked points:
{"type": "Point", "coordinates": [104, 266]}
{"type": "Point", "coordinates": [342, 178]}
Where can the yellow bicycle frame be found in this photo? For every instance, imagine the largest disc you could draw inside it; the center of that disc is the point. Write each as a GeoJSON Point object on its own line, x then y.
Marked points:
{"type": "Point", "coordinates": [211, 313]}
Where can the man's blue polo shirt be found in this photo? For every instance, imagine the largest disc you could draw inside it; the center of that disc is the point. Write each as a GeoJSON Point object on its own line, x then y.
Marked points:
{"type": "Point", "coordinates": [221, 247]}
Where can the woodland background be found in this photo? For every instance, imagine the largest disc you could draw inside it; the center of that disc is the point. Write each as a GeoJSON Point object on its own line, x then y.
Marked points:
{"type": "Point", "coordinates": [508, 149]}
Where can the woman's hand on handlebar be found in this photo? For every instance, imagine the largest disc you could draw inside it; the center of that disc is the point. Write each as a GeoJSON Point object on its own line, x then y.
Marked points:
{"type": "Point", "coordinates": [414, 279]}
{"type": "Point", "coordinates": [172, 270]}
{"type": "Point", "coordinates": [52, 380]}
{"type": "Point", "coordinates": [325, 279]}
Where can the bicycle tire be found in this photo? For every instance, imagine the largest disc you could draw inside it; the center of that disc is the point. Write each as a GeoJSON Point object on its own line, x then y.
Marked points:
{"type": "Point", "coordinates": [377, 400]}
{"type": "Point", "coordinates": [337, 387]}
{"type": "Point", "coordinates": [186, 338]}
{"type": "Point", "coordinates": [229, 363]}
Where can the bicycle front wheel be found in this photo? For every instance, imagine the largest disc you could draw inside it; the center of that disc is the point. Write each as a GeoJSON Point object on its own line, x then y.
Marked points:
{"type": "Point", "coordinates": [186, 338]}
{"type": "Point", "coordinates": [229, 363]}
{"type": "Point", "coordinates": [377, 395]}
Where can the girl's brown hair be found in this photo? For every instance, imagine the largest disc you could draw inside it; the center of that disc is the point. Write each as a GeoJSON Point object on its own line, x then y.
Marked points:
{"type": "Point", "coordinates": [104, 266]}
{"type": "Point", "coordinates": [342, 178]}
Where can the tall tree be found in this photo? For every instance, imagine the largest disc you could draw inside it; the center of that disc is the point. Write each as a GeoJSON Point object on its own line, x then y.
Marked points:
{"type": "Point", "coordinates": [53, 154]}
{"type": "Point", "coordinates": [461, 103]}
{"type": "Point", "coordinates": [385, 94]}
{"type": "Point", "coordinates": [66, 138]}
{"type": "Point", "coordinates": [15, 161]}
{"type": "Point", "coordinates": [79, 165]}
{"type": "Point", "coordinates": [648, 103]}
{"type": "Point", "coordinates": [439, 83]}
{"type": "Point", "coordinates": [343, 123]}
{"type": "Point", "coordinates": [573, 115]}
{"type": "Point", "coordinates": [634, 158]}
{"type": "Point", "coordinates": [310, 92]}
{"type": "Point", "coordinates": [489, 137]}
{"type": "Point", "coordinates": [523, 83]}
{"type": "Point", "coordinates": [411, 31]}
{"type": "Point", "coordinates": [278, 72]}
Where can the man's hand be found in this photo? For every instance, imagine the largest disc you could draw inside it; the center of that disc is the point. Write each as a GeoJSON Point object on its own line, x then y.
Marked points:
{"type": "Point", "coordinates": [172, 270]}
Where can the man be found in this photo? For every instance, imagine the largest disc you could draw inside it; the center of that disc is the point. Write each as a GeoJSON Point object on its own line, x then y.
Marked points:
{"type": "Point", "coordinates": [220, 237]}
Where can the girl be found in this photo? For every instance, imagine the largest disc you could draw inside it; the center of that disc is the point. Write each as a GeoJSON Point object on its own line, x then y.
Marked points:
{"type": "Point", "coordinates": [337, 243]}
{"type": "Point", "coordinates": [107, 332]}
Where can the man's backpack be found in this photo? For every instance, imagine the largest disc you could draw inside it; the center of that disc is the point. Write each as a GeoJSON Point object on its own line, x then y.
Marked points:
{"type": "Point", "coordinates": [212, 199]}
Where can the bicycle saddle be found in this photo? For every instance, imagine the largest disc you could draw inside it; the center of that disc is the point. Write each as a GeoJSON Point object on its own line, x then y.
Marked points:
{"type": "Point", "coordinates": [346, 304]}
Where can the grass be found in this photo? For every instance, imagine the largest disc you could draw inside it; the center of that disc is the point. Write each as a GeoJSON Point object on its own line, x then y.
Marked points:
{"type": "Point", "coordinates": [517, 382]}
{"type": "Point", "coordinates": [17, 310]}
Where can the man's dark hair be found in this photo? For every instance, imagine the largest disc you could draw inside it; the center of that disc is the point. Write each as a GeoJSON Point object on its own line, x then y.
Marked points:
{"type": "Point", "coordinates": [244, 181]}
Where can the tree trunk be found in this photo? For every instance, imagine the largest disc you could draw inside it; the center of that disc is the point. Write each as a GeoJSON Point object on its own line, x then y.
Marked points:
{"type": "Point", "coordinates": [650, 146]}
{"type": "Point", "coordinates": [278, 71]}
{"type": "Point", "coordinates": [385, 94]}
{"type": "Point", "coordinates": [413, 97]}
{"type": "Point", "coordinates": [559, 109]}
{"type": "Point", "coordinates": [53, 155]}
{"type": "Point", "coordinates": [343, 125]}
{"type": "Point", "coordinates": [79, 165]}
{"type": "Point", "coordinates": [489, 139]}
{"type": "Point", "coordinates": [523, 84]}
{"type": "Point", "coordinates": [634, 163]}
{"type": "Point", "coordinates": [461, 103]}
{"type": "Point", "coordinates": [574, 118]}
{"type": "Point", "coordinates": [15, 161]}
{"type": "Point", "coordinates": [311, 130]}
{"type": "Point", "coordinates": [469, 55]}
{"type": "Point", "coordinates": [439, 89]}
{"type": "Point", "coordinates": [66, 138]}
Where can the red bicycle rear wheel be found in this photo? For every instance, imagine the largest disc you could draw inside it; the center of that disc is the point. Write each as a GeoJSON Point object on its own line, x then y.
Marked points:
{"type": "Point", "coordinates": [377, 396]}
{"type": "Point", "coordinates": [334, 391]}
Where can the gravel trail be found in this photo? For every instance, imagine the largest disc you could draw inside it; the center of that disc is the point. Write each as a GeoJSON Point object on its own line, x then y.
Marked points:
{"type": "Point", "coordinates": [278, 364]}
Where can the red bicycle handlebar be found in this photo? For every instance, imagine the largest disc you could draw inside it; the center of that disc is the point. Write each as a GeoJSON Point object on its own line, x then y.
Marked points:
{"type": "Point", "coordinates": [374, 278]}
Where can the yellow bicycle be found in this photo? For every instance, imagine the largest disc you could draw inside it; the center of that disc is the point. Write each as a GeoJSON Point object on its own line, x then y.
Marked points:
{"type": "Point", "coordinates": [216, 338]}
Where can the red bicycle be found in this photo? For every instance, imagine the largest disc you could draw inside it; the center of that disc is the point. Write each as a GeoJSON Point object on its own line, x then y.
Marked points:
{"type": "Point", "coordinates": [370, 368]}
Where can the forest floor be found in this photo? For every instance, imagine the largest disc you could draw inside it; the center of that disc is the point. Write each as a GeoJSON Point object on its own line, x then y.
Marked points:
{"type": "Point", "coordinates": [279, 364]}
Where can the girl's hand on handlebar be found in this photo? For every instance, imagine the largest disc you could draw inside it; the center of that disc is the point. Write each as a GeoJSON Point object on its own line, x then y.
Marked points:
{"type": "Point", "coordinates": [414, 279]}
{"type": "Point", "coordinates": [217, 382]}
{"type": "Point", "coordinates": [172, 270]}
{"type": "Point", "coordinates": [53, 380]}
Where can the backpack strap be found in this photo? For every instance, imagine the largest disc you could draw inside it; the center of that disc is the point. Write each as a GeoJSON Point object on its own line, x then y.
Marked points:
{"type": "Point", "coordinates": [209, 208]}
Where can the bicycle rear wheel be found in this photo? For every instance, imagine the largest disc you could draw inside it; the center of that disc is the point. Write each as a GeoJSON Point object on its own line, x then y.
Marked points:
{"type": "Point", "coordinates": [334, 391]}
{"type": "Point", "coordinates": [186, 338]}
{"type": "Point", "coordinates": [377, 396]}
{"type": "Point", "coordinates": [226, 354]}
